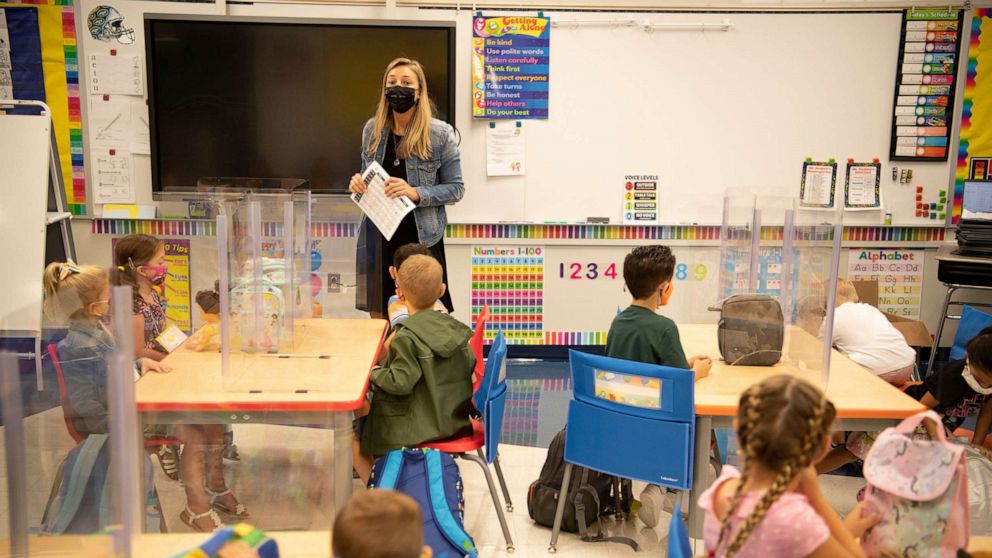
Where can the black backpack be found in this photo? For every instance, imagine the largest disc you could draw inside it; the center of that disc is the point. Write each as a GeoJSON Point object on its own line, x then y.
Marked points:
{"type": "Point", "coordinates": [751, 330]}
{"type": "Point", "coordinates": [591, 494]}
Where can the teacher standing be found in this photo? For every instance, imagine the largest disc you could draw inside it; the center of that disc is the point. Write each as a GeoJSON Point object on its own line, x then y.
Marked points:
{"type": "Point", "coordinates": [420, 154]}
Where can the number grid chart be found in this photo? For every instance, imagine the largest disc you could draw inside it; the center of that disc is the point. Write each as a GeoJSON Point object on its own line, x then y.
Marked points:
{"type": "Point", "coordinates": [510, 280]}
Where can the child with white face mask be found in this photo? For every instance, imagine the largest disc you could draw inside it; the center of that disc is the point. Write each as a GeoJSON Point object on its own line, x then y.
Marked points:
{"type": "Point", "coordinates": [963, 388]}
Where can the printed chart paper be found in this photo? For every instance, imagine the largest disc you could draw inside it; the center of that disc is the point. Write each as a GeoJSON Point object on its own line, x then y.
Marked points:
{"type": "Point", "coordinates": [386, 213]}
{"type": "Point", "coordinates": [138, 133]}
{"type": "Point", "coordinates": [862, 190]}
{"type": "Point", "coordinates": [899, 274]}
{"type": "Point", "coordinates": [510, 76]}
{"type": "Point", "coordinates": [110, 123]}
{"type": "Point", "coordinates": [818, 184]}
{"type": "Point", "coordinates": [510, 280]}
{"type": "Point", "coordinates": [640, 199]}
{"type": "Point", "coordinates": [119, 75]}
{"type": "Point", "coordinates": [506, 147]}
{"type": "Point", "coordinates": [114, 180]}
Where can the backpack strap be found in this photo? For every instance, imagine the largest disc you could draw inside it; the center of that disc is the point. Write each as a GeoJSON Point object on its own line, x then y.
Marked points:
{"type": "Point", "coordinates": [580, 517]}
{"type": "Point", "coordinates": [79, 477]}
{"type": "Point", "coordinates": [391, 470]}
{"type": "Point", "coordinates": [446, 522]}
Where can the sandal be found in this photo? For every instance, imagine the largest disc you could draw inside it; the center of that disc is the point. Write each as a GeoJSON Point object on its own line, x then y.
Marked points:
{"type": "Point", "coordinates": [239, 511]}
{"type": "Point", "coordinates": [168, 458]}
{"type": "Point", "coordinates": [189, 518]}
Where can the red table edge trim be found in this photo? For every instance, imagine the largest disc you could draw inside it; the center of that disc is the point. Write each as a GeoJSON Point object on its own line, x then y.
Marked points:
{"type": "Point", "coordinates": [282, 406]}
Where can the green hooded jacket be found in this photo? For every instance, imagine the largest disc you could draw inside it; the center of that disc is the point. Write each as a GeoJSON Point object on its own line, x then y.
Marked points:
{"type": "Point", "coordinates": [424, 390]}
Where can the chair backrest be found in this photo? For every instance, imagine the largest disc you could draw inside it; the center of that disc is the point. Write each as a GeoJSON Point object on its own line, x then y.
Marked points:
{"type": "Point", "coordinates": [476, 342]}
{"type": "Point", "coordinates": [495, 392]}
{"type": "Point", "coordinates": [67, 411]}
{"type": "Point", "coordinates": [972, 322]}
{"type": "Point", "coordinates": [631, 419]}
{"type": "Point", "coordinates": [495, 368]}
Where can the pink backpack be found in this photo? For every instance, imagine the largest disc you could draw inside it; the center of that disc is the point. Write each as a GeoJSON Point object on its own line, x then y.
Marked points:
{"type": "Point", "coordinates": [920, 487]}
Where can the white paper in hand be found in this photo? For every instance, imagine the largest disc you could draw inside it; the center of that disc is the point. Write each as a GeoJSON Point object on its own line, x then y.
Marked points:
{"type": "Point", "coordinates": [386, 213]}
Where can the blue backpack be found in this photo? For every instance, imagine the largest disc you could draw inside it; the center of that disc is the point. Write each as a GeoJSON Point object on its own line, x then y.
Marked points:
{"type": "Point", "coordinates": [431, 478]}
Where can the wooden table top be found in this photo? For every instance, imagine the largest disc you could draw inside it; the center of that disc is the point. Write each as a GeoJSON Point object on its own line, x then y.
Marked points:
{"type": "Point", "coordinates": [856, 392]}
{"type": "Point", "coordinates": [328, 370]}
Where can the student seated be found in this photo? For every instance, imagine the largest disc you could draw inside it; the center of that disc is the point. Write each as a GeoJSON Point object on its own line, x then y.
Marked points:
{"type": "Point", "coordinates": [423, 391]}
{"type": "Point", "coordinates": [397, 308]}
{"type": "Point", "coordinates": [79, 296]}
{"type": "Point", "coordinates": [378, 523]}
{"type": "Point", "coordinates": [959, 390]}
{"type": "Point", "coordinates": [639, 334]}
{"type": "Point", "coordinates": [775, 508]}
{"type": "Point", "coordinates": [863, 333]}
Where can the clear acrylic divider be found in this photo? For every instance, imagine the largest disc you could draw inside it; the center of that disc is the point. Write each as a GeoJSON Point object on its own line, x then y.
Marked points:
{"type": "Point", "coordinates": [738, 245]}
{"type": "Point", "coordinates": [811, 258]}
{"type": "Point", "coordinates": [269, 338]}
{"type": "Point", "coordinates": [61, 489]}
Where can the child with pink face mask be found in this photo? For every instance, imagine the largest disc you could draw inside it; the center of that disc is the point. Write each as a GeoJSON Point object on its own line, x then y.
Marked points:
{"type": "Point", "coordinates": [140, 264]}
{"type": "Point", "coordinates": [140, 261]}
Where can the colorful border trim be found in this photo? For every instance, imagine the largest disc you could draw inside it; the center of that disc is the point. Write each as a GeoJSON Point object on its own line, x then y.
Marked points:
{"type": "Point", "coordinates": [961, 174]}
{"type": "Point", "coordinates": [522, 232]}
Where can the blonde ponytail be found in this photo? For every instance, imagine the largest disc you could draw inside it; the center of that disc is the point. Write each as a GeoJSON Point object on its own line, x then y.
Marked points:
{"type": "Point", "coordinates": [69, 289]}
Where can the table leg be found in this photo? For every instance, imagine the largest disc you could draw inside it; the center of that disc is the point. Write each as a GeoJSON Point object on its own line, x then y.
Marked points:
{"type": "Point", "coordinates": [940, 329]}
{"type": "Point", "coordinates": [342, 482]}
{"type": "Point", "coordinates": [700, 474]}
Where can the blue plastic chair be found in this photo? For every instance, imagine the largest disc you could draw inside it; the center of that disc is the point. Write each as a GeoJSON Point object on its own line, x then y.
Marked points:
{"type": "Point", "coordinates": [972, 322]}
{"type": "Point", "coordinates": [631, 420]}
{"type": "Point", "coordinates": [490, 399]}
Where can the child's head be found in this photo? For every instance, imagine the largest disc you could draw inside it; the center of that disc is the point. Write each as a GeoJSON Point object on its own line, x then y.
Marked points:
{"type": "Point", "coordinates": [139, 257]}
{"type": "Point", "coordinates": [403, 252]}
{"type": "Point", "coordinates": [648, 270]}
{"type": "Point", "coordinates": [979, 351]}
{"type": "Point", "coordinates": [75, 292]}
{"type": "Point", "coordinates": [419, 282]}
{"type": "Point", "coordinates": [846, 292]}
{"type": "Point", "coordinates": [783, 424]}
{"type": "Point", "coordinates": [377, 524]}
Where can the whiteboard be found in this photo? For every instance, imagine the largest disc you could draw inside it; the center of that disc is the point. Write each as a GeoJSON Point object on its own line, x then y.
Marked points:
{"type": "Point", "coordinates": [24, 166]}
{"type": "Point", "coordinates": [705, 111]}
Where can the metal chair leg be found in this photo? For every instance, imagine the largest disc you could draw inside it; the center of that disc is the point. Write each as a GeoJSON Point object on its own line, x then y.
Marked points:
{"type": "Point", "coordinates": [940, 330]}
{"type": "Point", "coordinates": [495, 496]}
{"type": "Point", "coordinates": [560, 510]}
{"type": "Point", "coordinates": [502, 484]}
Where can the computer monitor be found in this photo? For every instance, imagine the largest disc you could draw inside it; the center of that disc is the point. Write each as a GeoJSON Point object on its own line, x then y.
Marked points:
{"type": "Point", "coordinates": [977, 202]}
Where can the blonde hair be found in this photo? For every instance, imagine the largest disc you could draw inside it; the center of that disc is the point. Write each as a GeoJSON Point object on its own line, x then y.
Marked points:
{"type": "Point", "coordinates": [70, 289]}
{"type": "Point", "coordinates": [379, 523]}
{"type": "Point", "coordinates": [846, 291]}
{"type": "Point", "coordinates": [781, 424]}
{"type": "Point", "coordinates": [420, 281]}
{"type": "Point", "coordinates": [417, 140]}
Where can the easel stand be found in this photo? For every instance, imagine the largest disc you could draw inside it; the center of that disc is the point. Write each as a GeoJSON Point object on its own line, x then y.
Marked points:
{"type": "Point", "coordinates": [57, 215]}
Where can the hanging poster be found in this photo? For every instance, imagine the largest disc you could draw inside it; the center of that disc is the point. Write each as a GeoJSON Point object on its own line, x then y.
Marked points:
{"type": "Point", "coordinates": [510, 280]}
{"type": "Point", "coordinates": [510, 67]}
{"type": "Point", "coordinates": [640, 199]}
{"type": "Point", "coordinates": [924, 93]}
{"type": "Point", "coordinates": [899, 274]}
{"type": "Point", "coordinates": [818, 185]}
{"type": "Point", "coordinates": [862, 188]}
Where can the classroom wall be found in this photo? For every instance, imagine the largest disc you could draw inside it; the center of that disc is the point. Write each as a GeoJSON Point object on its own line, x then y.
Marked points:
{"type": "Point", "coordinates": [579, 308]}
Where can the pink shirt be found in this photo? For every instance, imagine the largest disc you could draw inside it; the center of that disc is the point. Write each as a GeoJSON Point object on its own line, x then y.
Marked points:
{"type": "Point", "coordinates": [790, 529]}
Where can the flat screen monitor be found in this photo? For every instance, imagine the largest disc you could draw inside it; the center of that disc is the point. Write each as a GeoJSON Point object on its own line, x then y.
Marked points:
{"type": "Point", "coordinates": [276, 99]}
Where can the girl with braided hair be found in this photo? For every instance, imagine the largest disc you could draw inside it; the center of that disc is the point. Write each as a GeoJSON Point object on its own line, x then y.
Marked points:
{"type": "Point", "coordinates": [773, 508]}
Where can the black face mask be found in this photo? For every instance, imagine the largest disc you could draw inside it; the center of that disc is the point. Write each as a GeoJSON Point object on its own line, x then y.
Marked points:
{"type": "Point", "coordinates": [400, 98]}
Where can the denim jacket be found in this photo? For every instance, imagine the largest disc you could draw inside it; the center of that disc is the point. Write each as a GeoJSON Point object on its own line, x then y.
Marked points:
{"type": "Point", "coordinates": [83, 354]}
{"type": "Point", "coordinates": [438, 179]}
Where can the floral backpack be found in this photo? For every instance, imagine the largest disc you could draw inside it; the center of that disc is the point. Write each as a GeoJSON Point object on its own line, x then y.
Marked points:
{"type": "Point", "coordinates": [920, 487]}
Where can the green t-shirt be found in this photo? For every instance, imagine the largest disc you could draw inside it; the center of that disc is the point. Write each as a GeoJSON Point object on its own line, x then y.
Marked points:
{"type": "Point", "coordinates": [640, 335]}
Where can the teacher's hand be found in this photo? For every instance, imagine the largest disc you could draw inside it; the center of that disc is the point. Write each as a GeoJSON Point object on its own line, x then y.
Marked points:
{"type": "Point", "coordinates": [396, 187]}
{"type": "Point", "coordinates": [356, 186]}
